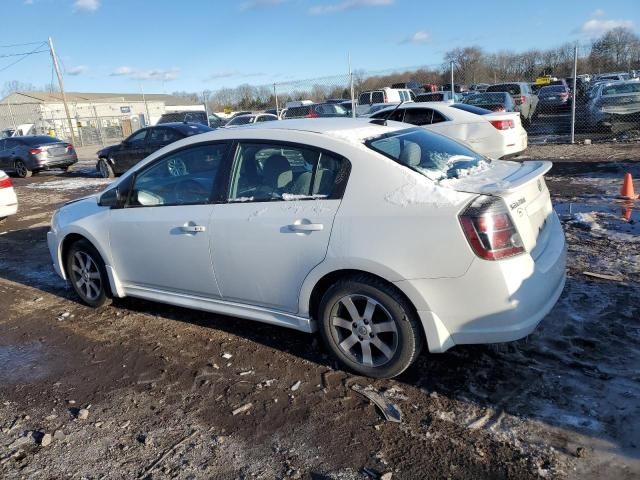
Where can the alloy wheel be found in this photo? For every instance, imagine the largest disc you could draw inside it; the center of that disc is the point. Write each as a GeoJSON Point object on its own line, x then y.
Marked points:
{"type": "Point", "coordinates": [21, 169]}
{"type": "Point", "coordinates": [364, 330]}
{"type": "Point", "coordinates": [86, 275]}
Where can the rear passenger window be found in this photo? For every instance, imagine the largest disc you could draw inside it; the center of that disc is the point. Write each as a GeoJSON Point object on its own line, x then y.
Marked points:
{"type": "Point", "coordinates": [377, 97]}
{"type": "Point", "coordinates": [267, 172]}
{"type": "Point", "coordinates": [418, 116]}
{"type": "Point", "coordinates": [364, 98]}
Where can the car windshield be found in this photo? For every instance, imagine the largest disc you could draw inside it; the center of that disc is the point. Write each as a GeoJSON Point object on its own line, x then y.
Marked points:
{"type": "Point", "coordinates": [434, 156]}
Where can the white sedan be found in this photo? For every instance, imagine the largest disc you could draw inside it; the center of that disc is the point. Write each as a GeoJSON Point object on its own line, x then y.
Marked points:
{"type": "Point", "coordinates": [8, 199]}
{"type": "Point", "coordinates": [250, 119]}
{"type": "Point", "coordinates": [379, 236]}
{"type": "Point", "coordinates": [495, 135]}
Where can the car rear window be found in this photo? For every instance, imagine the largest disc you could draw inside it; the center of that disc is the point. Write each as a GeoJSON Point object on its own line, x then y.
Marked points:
{"type": "Point", "coordinates": [510, 88]}
{"type": "Point", "coordinates": [377, 97]}
{"type": "Point", "coordinates": [39, 140]}
{"type": "Point", "coordinates": [434, 156]}
{"type": "Point", "coordinates": [471, 108]}
{"type": "Point", "coordinates": [297, 112]}
{"type": "Point", "coordinates": [551, 89]}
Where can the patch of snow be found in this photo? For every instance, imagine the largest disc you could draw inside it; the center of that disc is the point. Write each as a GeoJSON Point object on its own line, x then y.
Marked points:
{"type": "Point", "coordinates": [71, 184]}
{"type": "Point", "coordinates": [422, 191]}
{"type": "Point", "coordinates": [587, 220]}
{"type": "Point", "coordinates": [243, 199]}
{"type": "Point", "coordinates": [291, 197]}
{"type": "Point", "coordinates": [362, 134]}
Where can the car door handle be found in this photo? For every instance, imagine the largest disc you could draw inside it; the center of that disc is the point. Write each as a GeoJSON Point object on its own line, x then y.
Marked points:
{"type": "Point", "coordinates": [193, 228]}
{"type": "Point", "coordinates": [306, 227]}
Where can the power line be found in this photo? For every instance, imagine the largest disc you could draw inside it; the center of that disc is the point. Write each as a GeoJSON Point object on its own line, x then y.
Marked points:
{"type": "Point", "coordinates": [21, 44]}
{"type": "Point", "coordinates": [21, 54]}
{"type": "Point", "coordinates": [23, 57]}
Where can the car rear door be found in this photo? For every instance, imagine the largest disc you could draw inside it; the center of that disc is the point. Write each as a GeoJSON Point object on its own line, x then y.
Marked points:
{"type": "Point", "coordinates": [160, 241]}
{"type": "Point", "coordinates": [276, 225]}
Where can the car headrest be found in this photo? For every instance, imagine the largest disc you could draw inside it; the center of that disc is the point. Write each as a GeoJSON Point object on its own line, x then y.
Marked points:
{"type": "Point", "coordinates": [411, 154]}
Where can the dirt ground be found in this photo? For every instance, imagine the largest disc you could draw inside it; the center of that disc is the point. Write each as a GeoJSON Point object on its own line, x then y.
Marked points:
{"type": "Point", "coordinates": [143, 390]}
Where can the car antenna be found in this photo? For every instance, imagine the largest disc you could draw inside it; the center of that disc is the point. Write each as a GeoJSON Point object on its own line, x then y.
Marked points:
{"type": "Point", "coordinates": [383, 121]}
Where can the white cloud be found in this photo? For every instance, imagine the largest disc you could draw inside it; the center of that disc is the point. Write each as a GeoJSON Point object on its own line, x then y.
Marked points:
{"type": "Point", "coordinates": [598, 13]}
{"type": "Point", "coordinates": [28, 2]}
{"type": "Point", "coordinates": [596, 27]}
{"type": "Point", "coordinates": [165, 75]}
{"type": "Point", "coordinates": [257, 4]}
{"type": "Point", "coordinates": [419, 37]}
{"type": "Point", "coordinates": [348, 5]}
{"type": "Point", "coordinates": [75, 71]}
{"type": "Point", "coordinates": [232, 73]}
{"type": "Point", "coordinates": [86, 5]}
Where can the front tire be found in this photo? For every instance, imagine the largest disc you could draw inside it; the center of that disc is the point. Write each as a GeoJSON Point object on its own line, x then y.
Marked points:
{"type": "Point", "coordinates": [106, 170]}
{"type": "Point", "coordinates": [22, 170]}
{"type": "Point", "coordinates": [87, 274]}
{"type": "Point", "coordinates": [369, 327]}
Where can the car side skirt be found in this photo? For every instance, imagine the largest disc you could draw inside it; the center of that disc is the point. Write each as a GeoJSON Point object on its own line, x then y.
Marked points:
{"type": "Point", "coordinates": [249, 312]}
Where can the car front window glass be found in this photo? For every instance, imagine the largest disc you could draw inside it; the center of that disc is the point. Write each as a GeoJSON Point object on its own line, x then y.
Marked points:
{"type": "Point", "coordinates": [186, 177]}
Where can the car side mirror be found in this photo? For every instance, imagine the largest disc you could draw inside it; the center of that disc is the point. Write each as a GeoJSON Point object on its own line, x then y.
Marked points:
{"type": "Point", "coordinates": [116, 197]}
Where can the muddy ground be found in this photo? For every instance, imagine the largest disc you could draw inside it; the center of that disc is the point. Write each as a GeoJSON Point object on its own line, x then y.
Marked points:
{"type": "Point", "coordinates": [143, 390]}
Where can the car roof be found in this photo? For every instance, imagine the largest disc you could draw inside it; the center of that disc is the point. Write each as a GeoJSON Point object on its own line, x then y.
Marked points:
{"type": "Point", "coordinates": [339, 128]}
{"type": "Point", "coordinates": [182, 126]}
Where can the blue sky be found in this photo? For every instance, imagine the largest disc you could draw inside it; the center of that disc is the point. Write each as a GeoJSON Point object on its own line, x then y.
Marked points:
{"type": "Point", "coordinates": [194, 45]}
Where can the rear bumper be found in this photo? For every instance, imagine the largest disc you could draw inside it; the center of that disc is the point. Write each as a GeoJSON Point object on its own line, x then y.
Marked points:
{"type": "Point", "coordinates": [6, 210]}
{"type": "Point", "coordinates": [8, 202]}
{"type": "Point", "coordinates": [56, 162]}
{"type": "Point", "coordinates": [494, 301]}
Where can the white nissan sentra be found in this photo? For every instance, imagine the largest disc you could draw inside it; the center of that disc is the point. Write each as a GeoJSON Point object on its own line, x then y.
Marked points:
{"type": "Point", "coordinates": [380, 236]}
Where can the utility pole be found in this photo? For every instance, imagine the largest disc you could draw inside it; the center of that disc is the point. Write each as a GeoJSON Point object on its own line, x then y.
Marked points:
{"type": "Point", "coordinates": [146, 107]}
{"type": "Point", "coordinates": [61, 84]}
{"type": "Point", "coordinates": [275, 94]}
{"type": "Point", "coordinates": [205, 97]}
{"type": "Point", "coordinates": [353, 93]}
{"type": "Point", "coordinates": [573, 95]}
{"type": "Point", "coordinates": [453, 95]}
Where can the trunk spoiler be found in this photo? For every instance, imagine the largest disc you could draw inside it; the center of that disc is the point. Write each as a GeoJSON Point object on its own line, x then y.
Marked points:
{"type": "Point", "coordinates": [503, 178]}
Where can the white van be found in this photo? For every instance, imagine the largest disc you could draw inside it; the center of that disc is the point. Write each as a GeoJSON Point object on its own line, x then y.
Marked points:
{"type": "Point", "coordinates": [383, 95]}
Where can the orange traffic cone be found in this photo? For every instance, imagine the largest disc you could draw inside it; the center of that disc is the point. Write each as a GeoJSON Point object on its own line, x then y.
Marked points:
{"type": "Point", "coordinates": [627, 188]}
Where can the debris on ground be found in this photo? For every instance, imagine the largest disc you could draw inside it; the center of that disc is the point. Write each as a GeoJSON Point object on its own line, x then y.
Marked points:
{"type": "Point", "coordinates": [390, 410]}
{"type": "Point", "coordinates": [242, 409]}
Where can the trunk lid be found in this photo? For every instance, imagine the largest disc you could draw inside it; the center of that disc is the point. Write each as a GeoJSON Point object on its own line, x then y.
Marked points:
{"type": "Point", "coordinates": [521, 186]}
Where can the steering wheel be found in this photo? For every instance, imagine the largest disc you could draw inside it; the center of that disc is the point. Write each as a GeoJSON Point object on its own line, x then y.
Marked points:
{"type": "Point", "coordinates": [177, 167]}
{"type": "Point", "coordinates": [190, 191]}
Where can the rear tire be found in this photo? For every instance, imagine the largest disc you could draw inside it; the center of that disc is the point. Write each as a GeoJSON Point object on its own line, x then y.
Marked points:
{"type": "Point", "coordinates": [21, 169]}
{"type": "Point", "coordinates": [87, 274]}
{"type": "Point", "coordinates": [106, 171]}
{"type": "Point", "coordinates": [369, 327]}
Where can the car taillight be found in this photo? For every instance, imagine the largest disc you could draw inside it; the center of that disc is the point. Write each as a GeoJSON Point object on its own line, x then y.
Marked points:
{"type": "Point", "coordinates": [6, 183]}
{"type": "Point", "coordinates": [312, 114]}
{"type": "Point", "coordinates": [489, 229]}
{"type": "Point", "coordinates": [36, 151]}
{"type": "Point", "coordinates": [519, 99]}
{"type": "Point", "coordinates": [69, 148]}
{"type": "Point", "coordinates": [503, 124]}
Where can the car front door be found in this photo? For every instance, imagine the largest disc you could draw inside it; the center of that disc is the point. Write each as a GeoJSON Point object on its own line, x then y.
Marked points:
{"type": "Point", "coordinates": [160, 240]}
{"type": "Point", "coordinates": [276, 225]}
{"type": "Point", "coordinates": [131, 150]}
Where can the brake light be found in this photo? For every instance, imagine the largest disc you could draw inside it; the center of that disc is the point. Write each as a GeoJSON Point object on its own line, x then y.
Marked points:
{"type": "Point", "coordinates": [36, 151]}
{"type": "Point", "coordinates": [489, 229]}
{"type": "Point", "coordinates": [519, 99]}
{"type": "Point", "coordinates": [6, 183]}
{"type": "Point", "coordinates": [69, 148]}
{"type": "Point", "coordinates": [503, 124]}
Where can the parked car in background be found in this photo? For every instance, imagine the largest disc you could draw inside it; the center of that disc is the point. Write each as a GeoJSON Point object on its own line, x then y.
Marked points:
{"type": "Point", "coordinates": [187, 116]}
{"type": "Point", "coordinates": [494, 101]}
{"type": "Point", "coordinates": [116, 159]}
{"type": "Point", "coordinates": [249, 119]}
{"type": "Point", "coordinates": [457, 88]}
{"type": "Point", "coordinates": [20, 130]}
{"type": "Point", "coordinates": [348, 106]}
{"type": "Point", "coordinates": [621, 76]}
{"type": "Point", "coordinates": [615, 106]}
{"type": "Point", "coordinates": [441, 96]}
{"type": "Point", "coordinates": [495, 135]}
{"type": "Point", "coordinates": [526, 102]}
{"type": "Point", "coordinates": [434, 255]}
{"type": "Point", "coordinates": [430, 87]}
{"type": "Point", "coordinates": [31, 154]}
{"type": "Point", "coordinates": [272, 111]}
{"type": "Point", "coordinates": [383, 95]}
{"type": "Point", "coordinates": [316, 110]}
{"type": "Point", "coordinates": [412, 85]}
{"type": "Point", "coordinates": [478, 87]}
{"type": "Point", "coordinates": [553, 98]}
{"type": "Point", "coordinates": [8, 198]}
